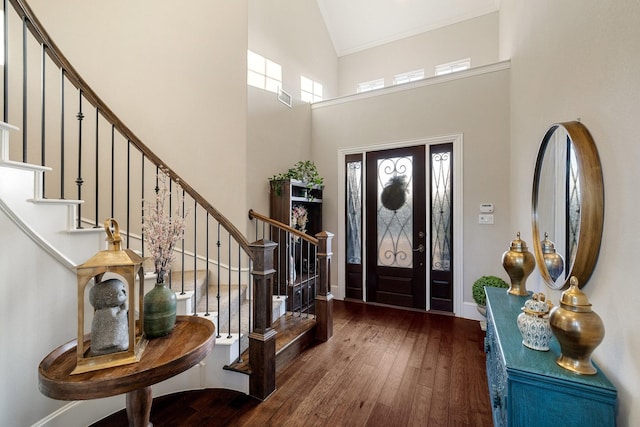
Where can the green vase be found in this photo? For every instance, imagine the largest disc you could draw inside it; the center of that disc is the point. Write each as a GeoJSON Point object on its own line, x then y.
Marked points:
{"type": "Point", "coordinates": [160, 306]}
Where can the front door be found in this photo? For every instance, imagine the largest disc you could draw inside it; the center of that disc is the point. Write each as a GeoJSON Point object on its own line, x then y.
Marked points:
{"type": "Point", "coordinates": [396, 227]}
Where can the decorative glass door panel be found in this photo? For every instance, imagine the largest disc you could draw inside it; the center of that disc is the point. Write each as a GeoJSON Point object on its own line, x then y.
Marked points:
{"type": "Point", "coordinates": [395, 212]}
{"type": "Point", "coordinates": [396, 219]}
{"type": "Point", "coordinates": [353, 221]}
{"type": "Point", "coordinates": [441, 290]}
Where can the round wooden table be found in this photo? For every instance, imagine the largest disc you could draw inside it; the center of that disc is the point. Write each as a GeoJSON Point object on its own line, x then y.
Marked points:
{"type": "Point", "coordinates": [189, 342]}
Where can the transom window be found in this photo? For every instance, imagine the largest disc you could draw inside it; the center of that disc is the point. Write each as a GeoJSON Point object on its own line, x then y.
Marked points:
{"type": "Point", "coordinates": [310, 91]}
{"type": "Point", "coordinates": [370, 85]}
{"type": "Point", "coordinates": [452, 67]}
{"type": "Point", "coordinates": [410, 76]}
{"type": "Point", "coordinates": [263, 73]}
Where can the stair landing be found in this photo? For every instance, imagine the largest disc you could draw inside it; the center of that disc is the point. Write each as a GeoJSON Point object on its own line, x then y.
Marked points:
{"type": "Point", "coordinates": [295, 333]}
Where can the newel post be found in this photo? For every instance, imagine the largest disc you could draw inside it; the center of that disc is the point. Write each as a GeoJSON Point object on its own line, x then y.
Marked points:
{"type": "Point", "coordinates": [262, 339]}
{"type": "Point", "coordinates": [324, 298]}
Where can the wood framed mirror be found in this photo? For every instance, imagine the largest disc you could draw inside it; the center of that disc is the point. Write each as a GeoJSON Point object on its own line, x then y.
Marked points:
{"type": "Point", "coordinates": [567, 205]}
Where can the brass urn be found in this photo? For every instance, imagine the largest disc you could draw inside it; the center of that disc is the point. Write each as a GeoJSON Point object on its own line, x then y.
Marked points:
{"type": "Point", "coordinates": [552, 259]}
{"type": "Point", "coordinates": [519, 263]}
{"type": "Point", "coordinates": [579, 330]}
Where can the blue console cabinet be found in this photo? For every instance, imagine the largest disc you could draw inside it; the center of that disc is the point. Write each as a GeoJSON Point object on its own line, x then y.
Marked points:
{"type": "Point", "coordinates": [527, 387]}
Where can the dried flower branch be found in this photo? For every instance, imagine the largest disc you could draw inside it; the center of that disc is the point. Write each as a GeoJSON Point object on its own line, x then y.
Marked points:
{"type": "Point", "coordinates": [299, 218]}
{"type": "Point", "coordinates": [161, 228]}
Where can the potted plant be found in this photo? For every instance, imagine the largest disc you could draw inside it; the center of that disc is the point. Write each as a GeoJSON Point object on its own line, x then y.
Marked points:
{"type": "Point", "coordinates": [479, 296]}
{"type": "Point", "coordinates": [304, 171]}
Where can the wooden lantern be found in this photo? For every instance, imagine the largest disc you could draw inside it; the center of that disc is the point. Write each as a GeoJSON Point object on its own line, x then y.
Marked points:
{"type": "Point", "coordinates": [126, 266]}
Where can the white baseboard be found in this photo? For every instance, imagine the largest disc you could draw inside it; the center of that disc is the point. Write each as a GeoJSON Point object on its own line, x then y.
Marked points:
{"type": "Point", "coordinates": [470, 311]}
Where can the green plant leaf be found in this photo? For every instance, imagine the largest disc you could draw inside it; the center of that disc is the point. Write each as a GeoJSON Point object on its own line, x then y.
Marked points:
{"type": "Point", "coordinates": [477, 290]}
{"type": "Point", "coordinates": [304, 171]}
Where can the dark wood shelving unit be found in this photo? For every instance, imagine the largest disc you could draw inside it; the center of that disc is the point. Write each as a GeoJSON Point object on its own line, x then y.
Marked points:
{"type": "Point", "coordinates": [284, 196]}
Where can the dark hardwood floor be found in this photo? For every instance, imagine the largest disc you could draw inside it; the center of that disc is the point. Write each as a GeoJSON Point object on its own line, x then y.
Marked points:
{"type": "Point", "coordinates": [383, 367]}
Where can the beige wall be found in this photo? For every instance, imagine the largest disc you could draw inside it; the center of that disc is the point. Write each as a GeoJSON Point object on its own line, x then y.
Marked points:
{"type": "Point", "coordinates": [576, 59]}
{"type": "Point", "coordinates": [278, 137]}
{"type": "Point", "coordinates": [164, 71]}
{"type": "Point", "coordinates": [291, 33]}
{"type": "Point", "coordinates": [475, 38]}
{"type": "Point", "coordinates": [476, 106]}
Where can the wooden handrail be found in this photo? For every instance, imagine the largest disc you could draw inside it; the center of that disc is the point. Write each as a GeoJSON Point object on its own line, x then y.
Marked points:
{"type": "Point", "coordinates": [255, 215]}
{"type": "Point", "coordinates": [36, 28]}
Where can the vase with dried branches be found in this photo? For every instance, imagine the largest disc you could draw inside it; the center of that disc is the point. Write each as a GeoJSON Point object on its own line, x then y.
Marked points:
{"type": "Point", "coordinates": [162, 229]}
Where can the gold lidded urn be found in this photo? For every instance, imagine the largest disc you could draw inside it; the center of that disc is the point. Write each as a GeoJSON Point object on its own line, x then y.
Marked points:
{"type": "Point", "coordinates": [518, 263]}
{"type": "Point", "coordinates": [578, 328]}
{"type": "Point", "coordinates": [552, 259]}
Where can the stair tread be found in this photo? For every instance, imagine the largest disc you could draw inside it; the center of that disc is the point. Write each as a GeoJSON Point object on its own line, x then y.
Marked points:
{"type": "Point", "coordinates": [289, 328]}
{"type": "Point", "coordinates": [188, 278]}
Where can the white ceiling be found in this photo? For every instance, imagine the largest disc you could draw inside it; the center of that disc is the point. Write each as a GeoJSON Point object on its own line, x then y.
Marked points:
{"type": "Point", "coordinates": [356, 25]}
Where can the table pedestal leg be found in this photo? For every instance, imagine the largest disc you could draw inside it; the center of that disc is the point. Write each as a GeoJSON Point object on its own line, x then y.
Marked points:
{"type": "Point", "coordinates": [139, 407]}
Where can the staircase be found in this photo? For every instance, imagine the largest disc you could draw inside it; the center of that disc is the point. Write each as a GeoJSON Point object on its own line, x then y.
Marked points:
{"type": "Point", "coordinates": [50, 223]}
{"type": "Point", "coordinates": [220, 275]}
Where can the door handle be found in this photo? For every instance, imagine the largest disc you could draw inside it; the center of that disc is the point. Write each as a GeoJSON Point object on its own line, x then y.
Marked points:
{"type": "Point", "coordinates": [420, 248]}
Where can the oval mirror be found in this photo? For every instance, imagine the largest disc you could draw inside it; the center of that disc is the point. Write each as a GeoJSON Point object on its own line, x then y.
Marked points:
{"type": "Point", "coordinates": [567, 205]}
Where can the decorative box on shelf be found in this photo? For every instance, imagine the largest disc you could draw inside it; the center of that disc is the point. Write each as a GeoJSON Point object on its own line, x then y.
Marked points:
{"type": "Point", "coordinates": [527, 387]}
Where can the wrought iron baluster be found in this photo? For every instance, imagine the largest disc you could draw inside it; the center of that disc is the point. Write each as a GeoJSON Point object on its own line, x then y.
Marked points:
{"type": "Point", "coordinates": [182, 292]}
{"type": "Point", "coordinates": [62, 134]}
{"type": "Point", "coordinates": [279, 263]}
{"type": "Point", "coordinates": [239, 303]}
{"type": "Point", "coordinates": [24, 90]}
{"type": "Point", "coordinates": [206, 295]}
{"type": "Point", "coordinates": [170, 214]}
{"type": "Point", "coordinates": [43, 98]}
{"type": "Point", "coordinates": [79, 180]}
{"type": "Point", "coordinates": [195, 253]}
{"type": "Point", "coordinates": [113, 170]}
{"type": "Point", "coordinates": [97, 168]}
{"type": "Point", "coordinates": [229, 283]}
{"type": "Point", "coordinates": [309, 279]}
{"type": "Point", "coordinates": [128, 218]}
{"type": "Point", "coordinates": [218, 243]}
{"type": "Point", "coordinates": [5, 77]}
{"type": "Point", "coordinates": [250, 300]}
{"type": "Point", "coordinates": [142, 162]}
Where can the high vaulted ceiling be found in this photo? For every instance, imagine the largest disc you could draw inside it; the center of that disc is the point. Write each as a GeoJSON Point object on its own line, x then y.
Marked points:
{"type": "Point", "coordinates": [356, 25]}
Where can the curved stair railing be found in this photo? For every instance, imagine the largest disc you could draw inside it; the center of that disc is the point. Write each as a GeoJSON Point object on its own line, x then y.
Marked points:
{"type": "Point", "coordinates": [65, 126]}
{"type": "Point", "coordinates": [95, 158]}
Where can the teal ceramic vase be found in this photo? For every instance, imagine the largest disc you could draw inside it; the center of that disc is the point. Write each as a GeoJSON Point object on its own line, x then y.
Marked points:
{"type": "Point", "coordinates": [160, 305]}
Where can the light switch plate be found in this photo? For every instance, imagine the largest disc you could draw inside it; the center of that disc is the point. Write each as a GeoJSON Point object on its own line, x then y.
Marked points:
{"type": "Point", "coordinates": [485, 219]}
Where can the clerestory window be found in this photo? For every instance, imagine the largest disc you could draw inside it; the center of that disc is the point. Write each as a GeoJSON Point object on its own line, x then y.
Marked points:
{"type": "Point", "coordinates": [410, 76]}
{"type": "Point", "coordinates": [370, 85]}
{"type": "Point", "coordinates": [263, 73]}
{"type": "Point", "coordinates": [452, 67]}
{"type": "Point", "coordinates": [310, 91]}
